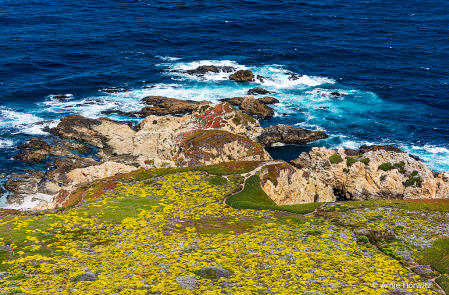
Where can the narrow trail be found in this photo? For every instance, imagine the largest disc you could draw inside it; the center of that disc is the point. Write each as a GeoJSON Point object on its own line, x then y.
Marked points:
{"type": "Point", "coordinates": [249, 174]}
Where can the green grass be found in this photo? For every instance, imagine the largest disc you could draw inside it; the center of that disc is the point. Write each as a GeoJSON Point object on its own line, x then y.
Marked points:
{"type": "Point", "coordinates": [443, 265]}
{"type": "Point", "coordinates": [431, 205]}
{"type": "Point", "coordinates": [218, 169]}
{"type": "Point", "coordinates": [365, 161]}
{"type": "Point", "coordinates": [443, 281]}
{"type": "Point", "coordinates": [253, 197]}
{"type": "Point", "coordinates": [217, 180]}
{"type": "Point", "coordinates": [386, 166]}
{"type": "Point", "coordinates": [433, 255]}
{"type": "Point", "coordinates": [335, 159]}
{"type": "Point", "coordinates": [350, 161]}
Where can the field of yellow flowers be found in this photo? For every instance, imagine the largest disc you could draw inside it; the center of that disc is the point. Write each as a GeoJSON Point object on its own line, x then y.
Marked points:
{"type": "Point", "coordinates": [153, 235]}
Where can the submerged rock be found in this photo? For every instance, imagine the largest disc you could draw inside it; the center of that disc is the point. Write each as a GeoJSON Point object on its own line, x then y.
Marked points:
{"type": "Point", "coordinates": [242, 76]}
{"type": "Point", "coordinates": [288, 134]}
{"type": "Point", "coordinates": [113, 90]}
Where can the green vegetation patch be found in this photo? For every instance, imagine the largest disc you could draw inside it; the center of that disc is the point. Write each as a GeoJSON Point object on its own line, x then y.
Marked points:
{"type": "Point", "coordinates": [335, 159]}
{"type": "Point", "coordinates": [365, 161]}
{"type": "Point", "coordinates": [386, 166]}
{"type": "Point", "coordinates": [433, 255]}
{"type": "Point", "coordinates": [443, 281]}
{"type": "Point", "coordinates": [253, 197]}
{"type": "Point", "coordinates": [350, 161]}
{"type": "Point", "coordinates": [217, 180]}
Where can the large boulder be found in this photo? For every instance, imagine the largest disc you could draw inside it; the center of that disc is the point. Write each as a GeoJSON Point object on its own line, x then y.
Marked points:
{"type": "Point", "coordinates": [286, 185]}
{"type": "Point", "coordinates": [375, 175]}
{"type": "Point", "coordinates": [253, 107]}
{"type": "Point", "coordinates": [64, 166]}
{"type": "Point", "coordinates": [258, 90]}
{"type": "Point", "coordinates": [288, 134]}
{"type": "Point", "coordinates": [242, 76]}
{"type": "Point", "coordinates": [268, 100]}
{"type": "Point", "coordinates": [214, 272]}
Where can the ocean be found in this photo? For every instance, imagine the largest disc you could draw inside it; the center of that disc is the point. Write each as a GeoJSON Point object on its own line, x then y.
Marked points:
{"type": "Point", "coordinates": [388, 60]}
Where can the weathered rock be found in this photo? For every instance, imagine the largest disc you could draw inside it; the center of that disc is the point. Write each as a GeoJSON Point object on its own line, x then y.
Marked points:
{"type": "Point", "coordinates": [253, 107]}
{"type": "Point", "coordinates": [214, 272]}
{"type": "Point", "coordinates": [92, 173]}
{"type": "Point", "coordinates": [49, 188]}
{"type": "Point", "coordinates": [64, 166]}
{"type": "Point", "coordinates": [61, 97]}
{"type": "Point", "coordinates": [258, 90]}
{"type": "Point", "coordinates": [361, 178]}
{"type": "Point", "coordinates": [242, 76]}
{"type": "Point", "coordinates": [74, 146]}
{"type": "Point", "coordinates": [286, 185]}
{"type": "Point", "coordinates": [303, 161]}
{"type": "Point", "coordinates": [35, 143]}
{"type": "Point", "coordinates": [288, 134]}
{"type": "Point", "coordinates": [31, 156]}
{"type": "Point", "coordinates": [162, 106]}
{"type": "Point", "coordinates": [425, 271]}
{"type": "Point", "coordinates": [87, 277]}
{"type": "Point", "coordinates": [188, 282]}
{"type": "Point", "coordinates": [201, 70]}
{"type": "Point", "coordinates": [235, 101]}
{"type": "Point", "coordinates": [268, 100]}
{"type": "Point", "coordinates": [24, 183]}
{"type": "Point", "coordinates": [294, 77]}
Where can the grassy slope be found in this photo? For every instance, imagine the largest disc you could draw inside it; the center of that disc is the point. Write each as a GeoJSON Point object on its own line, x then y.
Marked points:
{"type": "Point", "coordinates": [253, 197]}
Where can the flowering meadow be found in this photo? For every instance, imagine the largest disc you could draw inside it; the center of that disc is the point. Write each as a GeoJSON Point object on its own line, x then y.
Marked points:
{"type": "Point", "coordinates": [153, 235]}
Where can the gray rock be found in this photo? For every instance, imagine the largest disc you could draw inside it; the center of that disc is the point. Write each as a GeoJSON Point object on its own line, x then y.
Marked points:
{"type": "Point", "coordinates": [303, 161]}
{"type": "Point", "coordinates": [87, 276]}
{"type": "Point", "coordinates": [188, 282]}
{"type": "Point", "coordinates": [214, 272]}
{"type": "Point", "coordinates": [288, 134]}
{"type": "Point", "coordinates": [23, 183]}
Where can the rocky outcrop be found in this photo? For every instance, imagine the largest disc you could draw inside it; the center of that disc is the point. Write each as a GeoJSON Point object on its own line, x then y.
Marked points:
{"type": "Point", "coordinates": [64, 166]}
{"type": "Point", "coordinates": [374, 175]}
{"type": "Point", "coordinates": [286, 185]}
{"type": "Point", "coordinates": [258, 90]}
{"type": "Point", "coordinates": [268, 100]}
{"type": "Point", "coordinates": [92, 173]}
{"type": "Point", "coordinates": [161, 106]}
{"type": "Point", "coordinates": [49, 188]}
{"type": "Point", "coordinates": [201, 70]}
{"type": "Point", "coordinates": [242, 76]}
{"type": "Point", "coordinates": [24, 183]}
{"type": "Point", "coordinates": [253, 107]}
{"type": "Point", "coordinates": [36, 150]}
{"type": "Point", "coordinates": [288, 134]}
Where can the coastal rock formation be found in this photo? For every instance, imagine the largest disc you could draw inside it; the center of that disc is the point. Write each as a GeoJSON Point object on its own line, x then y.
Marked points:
{"type": "Point", "coordinates": [24, 183]}
{"type": "Point", "coordinates": [64, 166]}
{"type": "Point", "coordinates": [286, 185]}
{"type": "Point", "coordinates": [253, 107]}
{"type": "Point", "coordinates": [258, 90]}
{"type": "Point", "coordinates": [201, 70]}
{"type": "Point", "coordinates": [375, 175]}
{"type": "Point", "coordinates": [159, 140]}
{"type": "Point", "coordinates": [288, 134]}
{"type": "Point", "coordinates": [162, 106]}
{"type": "Point", "coordinates": [268, 100]}
{"type": "Point", "coordinates": [36, 150]}
{"type": "Point", "coordinates": [242, 76]}
{"type": "Point", "coordinates": [92, 173]}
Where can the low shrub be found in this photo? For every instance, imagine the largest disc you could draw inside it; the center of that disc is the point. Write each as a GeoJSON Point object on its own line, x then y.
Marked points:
{"type": "Point", "coordinates": [365, 161]}
{"type": "Point", "coordinates": [386, 166]}
{"type": "Point", "coordinates": [335, 159]}
{"type": "Point", "coordinates": [350, 161]}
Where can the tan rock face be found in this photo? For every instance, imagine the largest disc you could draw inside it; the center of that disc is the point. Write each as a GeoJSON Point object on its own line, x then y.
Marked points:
{"type": "Point", "coordinates": [92, 173]}
{"type": "Point", "coordinates": [365, 180]}
{"type": "Point", "coordinates": [286, 185]}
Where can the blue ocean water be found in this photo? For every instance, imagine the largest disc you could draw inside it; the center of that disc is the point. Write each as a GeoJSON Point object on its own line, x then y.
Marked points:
{"type": "Point", "coordinates": [388, 59]}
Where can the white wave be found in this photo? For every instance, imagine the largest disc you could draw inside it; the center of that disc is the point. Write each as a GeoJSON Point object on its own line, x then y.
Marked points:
{"type": "Point", "coordinates": [184, 66]}
{"type": "Point", "coordinates": [5, 143]}
{"type": "Point", "coordinates": [310, 126]}
{"type": "Point", "coordinates": [63, 98]}
{"type": "Point", "coordinates": [37, 128]}
{"type": "Point", "coordinates": [436, 157]}
{"type": "Point", "coordinates": [168, 58]}
{"type": "Point", "coordinates": [10, 118]}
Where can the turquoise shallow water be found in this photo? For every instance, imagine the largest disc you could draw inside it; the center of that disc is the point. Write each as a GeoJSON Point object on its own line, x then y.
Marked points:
{"type": "Point", "coordinates": [389, 60]}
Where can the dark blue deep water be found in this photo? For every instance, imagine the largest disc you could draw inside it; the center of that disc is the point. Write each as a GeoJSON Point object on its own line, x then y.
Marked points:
{"type": "Point", "coordinates": [388, 58]}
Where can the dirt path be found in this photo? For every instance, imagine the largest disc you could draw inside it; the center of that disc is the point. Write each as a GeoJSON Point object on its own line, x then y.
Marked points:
{"type": "Point", "coordinates": [249, 174]}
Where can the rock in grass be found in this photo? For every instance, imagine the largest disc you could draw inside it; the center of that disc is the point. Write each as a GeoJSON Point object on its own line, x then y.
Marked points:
{"type": "Point", "coordinates": [425, 271]}
{"type": "Point", "coordinates": [187, 282]}
{"type": "Point", "coordinates": [214, 272]}
{"type": "Point", "coordinates": [87, 277]}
